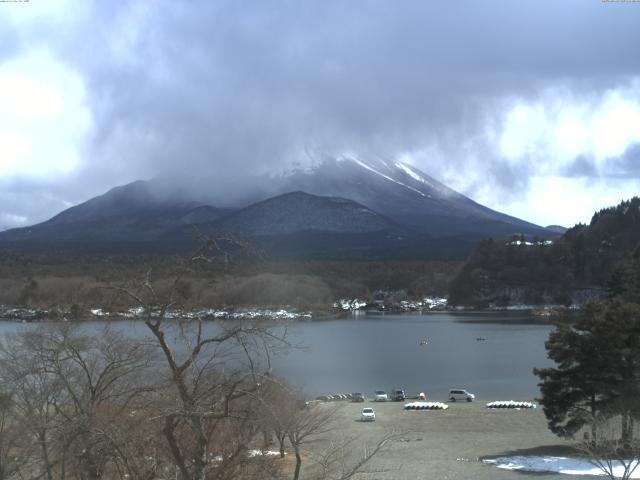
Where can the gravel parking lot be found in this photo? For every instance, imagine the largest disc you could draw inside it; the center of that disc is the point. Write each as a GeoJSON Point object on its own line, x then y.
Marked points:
{"type": "Point", "coordinates": [446, 444]}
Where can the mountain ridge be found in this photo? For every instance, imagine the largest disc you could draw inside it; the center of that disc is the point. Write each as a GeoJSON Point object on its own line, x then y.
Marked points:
{"type": "Point", "coordinates": [348, 196]}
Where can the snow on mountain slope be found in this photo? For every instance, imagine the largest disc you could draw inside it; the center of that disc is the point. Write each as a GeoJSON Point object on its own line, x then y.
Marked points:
{"type": "Point", "coordinates": [341, 170]}
{"type": "Point", "coordinates": [401, 192]}
{"type": "Point", "coordinates": [371, 169]}
{"type": "Point", "coordinates": [413, 174]}
{"type": "Point", "coordinates": [374, 205]}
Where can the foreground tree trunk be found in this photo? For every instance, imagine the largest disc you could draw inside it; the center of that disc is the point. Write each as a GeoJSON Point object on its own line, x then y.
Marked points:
{"type": "Point", "coordinates": [281, 441]}
{"type": "Point", "coordinates": [627, 430]}
{"type": "Point", "coordinates": [296, 473]}
{"type": "Point", "coordinates": [594, 425]}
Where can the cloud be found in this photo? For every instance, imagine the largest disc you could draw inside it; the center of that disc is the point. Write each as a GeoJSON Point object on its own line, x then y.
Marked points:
{"type": "Point", "coordinates": [531, 145]}
{"type": "Point", "coordinates": [567, 201]}
{"type": "Point", "coordinates": [505, 92]}
{"type": "Point", "coordinates": [23, 198]}
{"type": "Point", "coordinates": [563, 128]}
{"type": "Point", "coordinates": [44, 118]}
{"type": "Point", "coordinates": [628, 164]}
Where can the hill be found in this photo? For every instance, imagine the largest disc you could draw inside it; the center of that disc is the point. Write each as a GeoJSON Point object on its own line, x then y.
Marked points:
{"type": "Point", "coordinates": [571, 269]}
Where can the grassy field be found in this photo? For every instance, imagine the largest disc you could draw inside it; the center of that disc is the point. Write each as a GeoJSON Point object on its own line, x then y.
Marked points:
{"type": "Point", "coordinates": [445, 444]}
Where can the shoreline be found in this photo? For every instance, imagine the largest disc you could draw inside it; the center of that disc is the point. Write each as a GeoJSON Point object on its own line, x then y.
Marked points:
{"type": "Point", "coordinates": [524, 316]}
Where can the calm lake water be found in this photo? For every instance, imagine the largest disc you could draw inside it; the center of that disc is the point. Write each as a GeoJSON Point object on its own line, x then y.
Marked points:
{"type": "Point", "coordinates": [373, 352]}
{"type": "Point", "coordinates": [369, 352]}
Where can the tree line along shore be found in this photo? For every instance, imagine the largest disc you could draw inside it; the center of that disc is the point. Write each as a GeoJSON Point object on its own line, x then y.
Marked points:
{"type": "Point", "coordinates": [73, 286]}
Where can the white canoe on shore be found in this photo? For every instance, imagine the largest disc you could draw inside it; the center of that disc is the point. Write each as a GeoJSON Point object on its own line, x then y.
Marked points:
{"type": "Point", "coordinates": [510, 404]}
{"type": "Point", "coordinates": [425, 406]}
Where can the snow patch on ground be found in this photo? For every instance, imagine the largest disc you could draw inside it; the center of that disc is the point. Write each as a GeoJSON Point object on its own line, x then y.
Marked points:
{"type": "Point", "coordinates": [428, 303]}
{"type": "Point", "coordinates": [262, 453]}
{"type": "Point", "coordinates": [529, 244]}
{"type": "Point", "coordinates": [349, 304]}
{"type": "Point", "coordinates": [566, 465]}
{"type": "Point", "coordinates": [208, 314]}
{"type": "Point", "coordinates": [435, 303]}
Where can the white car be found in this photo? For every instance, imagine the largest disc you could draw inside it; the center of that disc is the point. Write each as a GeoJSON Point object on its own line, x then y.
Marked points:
{"type": "Point", "coordinates": [380, 396]}
{"type": "Point", "coordinates": [368, 415]}
{"type": "Point", "coordinates": [459, 394]}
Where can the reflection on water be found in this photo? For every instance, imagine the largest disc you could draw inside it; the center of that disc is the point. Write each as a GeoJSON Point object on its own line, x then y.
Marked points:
{"type": "Point", "coordinates": [428, 353]}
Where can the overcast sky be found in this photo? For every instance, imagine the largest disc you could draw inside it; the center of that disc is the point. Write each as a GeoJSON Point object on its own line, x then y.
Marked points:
{"type": "Point", "coordinates": [529, 107]}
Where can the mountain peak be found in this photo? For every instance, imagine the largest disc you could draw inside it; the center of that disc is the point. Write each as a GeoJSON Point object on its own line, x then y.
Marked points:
{"type": "Point", "coordinates": [338, 196]}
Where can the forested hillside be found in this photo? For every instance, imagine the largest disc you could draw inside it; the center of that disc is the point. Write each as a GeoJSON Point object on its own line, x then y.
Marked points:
{"type": "Point", "coordinates": [60, 282]}
{"type": "Point", "coordinates": [571, 269]}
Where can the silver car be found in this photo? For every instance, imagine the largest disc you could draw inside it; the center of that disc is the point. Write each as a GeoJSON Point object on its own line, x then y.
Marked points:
{"type": "Point", "coordinates": [380, 396]}
{"type": "Point", "coordinates": [456, 394]}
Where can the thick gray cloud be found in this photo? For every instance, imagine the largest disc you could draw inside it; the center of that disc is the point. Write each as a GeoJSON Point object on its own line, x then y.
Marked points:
{"type": "Point", "coordinates": [217, 87]}
{"type": "Point", "coordinates": [581, 167]}
{"type": "Point", "coordinates": [628, 165]}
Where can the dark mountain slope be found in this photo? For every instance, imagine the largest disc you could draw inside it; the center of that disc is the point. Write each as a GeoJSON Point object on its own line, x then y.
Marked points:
{"type": "Point", "coordinates": [124, 202]}
{"type": "Point", "coordinates": [121, 218]}
{"type": "Point", "coordinates": [366, 196]}
{"type": "Point", "coordinates": [299, 211]}
{"type": "Point", "coordinates": [298, 225]}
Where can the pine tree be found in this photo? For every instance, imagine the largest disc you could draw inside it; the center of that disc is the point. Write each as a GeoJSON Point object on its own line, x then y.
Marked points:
{"type": "Point", "coordinates": [597, 372]}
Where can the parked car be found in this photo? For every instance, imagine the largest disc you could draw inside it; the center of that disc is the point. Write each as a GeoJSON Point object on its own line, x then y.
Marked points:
{"type": "Point", "coordinates": [398, 395]}
{"type": "Point", "coordinates": [357, 397]}
{"type": "Point", "coordinates": [460, 394]}
{"type": "Point", "coordinates": [368, 415]}
{"type": "Point", "coordinates": [381, 396]}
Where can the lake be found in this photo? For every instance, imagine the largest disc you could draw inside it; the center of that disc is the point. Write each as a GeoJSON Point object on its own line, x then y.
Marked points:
{"type": "Point", "coordinates": [375, 351]}
{"type": "Point", "coordinates": [371, 352]}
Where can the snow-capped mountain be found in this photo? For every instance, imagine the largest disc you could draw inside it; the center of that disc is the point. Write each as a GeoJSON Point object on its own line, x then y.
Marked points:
{"type": "Point", "coordinates": [342, 207]}
{"type": "Point", "coordinates": [405, 194]}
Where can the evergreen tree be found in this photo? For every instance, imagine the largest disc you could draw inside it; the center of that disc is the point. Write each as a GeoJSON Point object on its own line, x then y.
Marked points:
{"type": "Point", "coordinates": [624, 283]}
{"type": "Point", "coordinates": [597, 372]}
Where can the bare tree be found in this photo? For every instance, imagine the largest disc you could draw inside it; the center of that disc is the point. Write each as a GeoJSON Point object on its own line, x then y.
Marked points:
{"type": "Point", "coordinates": [188, 402]}
{"type": "Point", "coordinates": [11, 439]}
{"type": "Point", "coordinates": [213, 371]}
{"type": "Point", "coordinates": [102, 375]}
{"type": "Point", "coordinates": [339, 460]}
{"type": "Point", "coordinates": [613, 453]}
{"type": "Point", "coordinates": [36, 398]}
{"type": "Point", "coordinates": [279, 405]}
{"type": "Point", "coordinates": [71, 389]}
{"type": "Point", "coordinates": [306, 426]}
{"type": "Point", "coordinates": [135, 440]}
